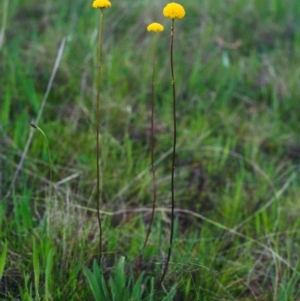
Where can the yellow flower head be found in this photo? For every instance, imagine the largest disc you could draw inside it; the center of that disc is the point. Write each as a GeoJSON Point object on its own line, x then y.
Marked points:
{"type": "Point", "coordinates": [174, 11]}
{"type": "Point", "coordinates": [101, 4]}
{"type": "Point", "coordinates": [156, 27]}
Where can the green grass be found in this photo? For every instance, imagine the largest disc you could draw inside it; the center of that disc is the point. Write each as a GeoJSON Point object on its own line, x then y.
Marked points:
{"type": "Point", "coordinates": [237, 180]}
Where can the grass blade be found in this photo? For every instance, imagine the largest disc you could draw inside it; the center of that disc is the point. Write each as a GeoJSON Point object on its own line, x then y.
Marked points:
{"type": "Point", "coordinates": [3, 259]}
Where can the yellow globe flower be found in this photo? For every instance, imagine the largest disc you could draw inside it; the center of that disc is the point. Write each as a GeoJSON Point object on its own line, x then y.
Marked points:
{"type": "Point", "coordinates": [156, 27]}
{"type": "Point", "coordinates": [101, 4]}
{"type": "Point", "coordinates": [174, 11]}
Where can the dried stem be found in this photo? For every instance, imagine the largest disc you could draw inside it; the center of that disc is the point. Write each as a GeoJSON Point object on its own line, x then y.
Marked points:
{"type": "Point", "coordinates": [39, 116]}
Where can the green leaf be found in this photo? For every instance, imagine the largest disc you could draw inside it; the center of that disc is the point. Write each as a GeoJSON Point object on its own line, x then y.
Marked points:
{"type": "Point", "coordinates": [93, 283]}
{"type": "Point", "coordinates": [3, 258]}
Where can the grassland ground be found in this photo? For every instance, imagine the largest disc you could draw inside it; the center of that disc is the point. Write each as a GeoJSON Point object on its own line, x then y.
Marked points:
{"type": "Point", "coordinates": [237, 69]}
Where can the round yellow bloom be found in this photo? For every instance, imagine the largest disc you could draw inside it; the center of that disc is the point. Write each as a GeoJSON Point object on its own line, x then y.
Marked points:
{"type": "Point", "coordinates": [174, 11]}
{"type": "Point", "coordinates": [156, 27]}
{"type": "Point", "coordinates": [101, 4]}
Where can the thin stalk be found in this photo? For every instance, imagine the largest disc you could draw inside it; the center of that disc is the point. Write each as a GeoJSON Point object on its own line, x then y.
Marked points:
{"type": "Point", "coordinates": [173, 156]}
{"type": "Point", "coordinates": [33, 125]}
{"type": "Point", "coordinates": [98, 154]}
{"type": "Point", "coordinates": [152, 141]}
{"type": "Point", "coordinates": [98, 192]}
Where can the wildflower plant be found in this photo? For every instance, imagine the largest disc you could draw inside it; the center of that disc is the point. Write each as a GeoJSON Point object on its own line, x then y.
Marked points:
{"type": "Point", "coordinates": [172, 11]}
{"type": "Point", "coordinates": [102, 4]}
{"type": "Point", "coordinates": [153, 27]}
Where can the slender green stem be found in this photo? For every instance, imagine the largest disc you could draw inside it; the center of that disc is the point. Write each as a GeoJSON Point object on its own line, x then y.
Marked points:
{"type": "Point", "coordinates": [173, 156]}
{"type": "Point", "coordinates": [152, 140]}
{"type": "Point", "coordinates": [48, 150]}
{"type": "Point", "coordinates": [98, 192]}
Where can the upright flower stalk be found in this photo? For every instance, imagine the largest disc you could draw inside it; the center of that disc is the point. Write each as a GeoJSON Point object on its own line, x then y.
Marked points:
{"type": "Point", "coordinates": [154, 27]}
{"type": "Point", "coordinates": [102, 4]}
{"type": "Point", "coordinates": [172, 11]}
